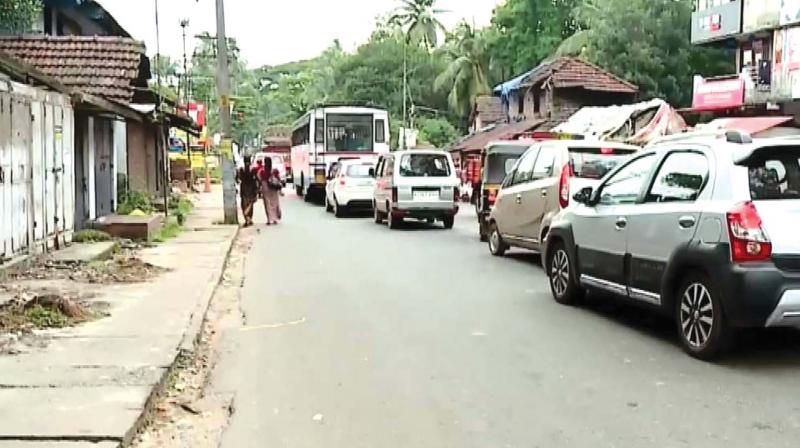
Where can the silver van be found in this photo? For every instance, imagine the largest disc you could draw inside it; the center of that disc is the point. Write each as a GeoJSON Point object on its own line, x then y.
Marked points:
{"type": "Point", "coordinates": [416, 184]}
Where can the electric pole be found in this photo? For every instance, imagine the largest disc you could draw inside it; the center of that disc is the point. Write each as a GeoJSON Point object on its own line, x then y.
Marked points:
{"type": "Point", "coordinates": [224, 92]}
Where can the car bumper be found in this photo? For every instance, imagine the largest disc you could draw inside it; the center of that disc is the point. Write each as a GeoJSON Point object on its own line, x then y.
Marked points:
{"type": "Point", "coordinates": [761, 296]}
{"type": "Point", "coordinates": [355, 197]}
{"type": "Point", "coordinates": [420, 211]}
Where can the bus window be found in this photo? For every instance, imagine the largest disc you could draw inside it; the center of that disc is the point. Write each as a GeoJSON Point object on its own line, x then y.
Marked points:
{"type": "Point", "coordinates": [380, 131]}
{"type": "Point", "coordinates": [319, 130]}
{"type": "Point", "coordinates": [350, 132]}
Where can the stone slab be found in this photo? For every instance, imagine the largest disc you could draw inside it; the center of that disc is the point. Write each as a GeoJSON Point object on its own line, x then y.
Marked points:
{"type": "Point", "coordinates": [85, 252]}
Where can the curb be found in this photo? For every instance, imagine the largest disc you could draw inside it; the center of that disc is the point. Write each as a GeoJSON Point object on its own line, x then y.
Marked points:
{"type": "Point", "coordinates": [190, 340]}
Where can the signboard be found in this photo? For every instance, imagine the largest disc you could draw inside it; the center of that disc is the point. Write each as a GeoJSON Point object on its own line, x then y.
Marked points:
{"type": "Point", "coordinates": [715, 94]}
{"type": "Point", "coordinates": [786, 66]}
{"type": "Point", "coordinates": [198, 113]}
{"type": "Point", "coordinates": [760, 15]}
{"type": "Point", "coordinates": [790, 12]}
{"type": "Point", "coordinates": [717, 22]}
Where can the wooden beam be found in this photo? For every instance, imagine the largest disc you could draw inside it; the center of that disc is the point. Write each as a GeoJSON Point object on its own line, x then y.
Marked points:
{"type": "Point", "coordinates": [108, 106]}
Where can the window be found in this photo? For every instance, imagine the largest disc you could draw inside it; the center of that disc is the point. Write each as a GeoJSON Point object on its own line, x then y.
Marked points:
{"type": "Point", "coordinates": [380, 131]}
{"type": "Point", "coordinates": [525, 167]}
{"type": "Point", "coordinates": [424, 165]}
{"type": "Point", "coordinates": [379, 168]}
{"type": "Point", "coordinates": [388, 167]}
{"type": "Point", "coordinates": [319, 130]}
{"type": "Point", "coordinates": [681, 178]}
{"type": "Point", "coordinates": [626, 185]}
{"type": "Point", "coordinates": [300, 135]}
{"type": "Point", "coordinates": [350, 132]}
{"type": "Point", "coordinates": [498, 166]}
{"type": "Point", "coordinates": [358, 171]}
{"type": "Point", "coordinates": [544, 163]}
{"type": "Point", "coordinates": [775, 174]}
{"type": "Point", "coordinates": [596, 162]}
{"type": "Point", "coordinates": [334, 170]}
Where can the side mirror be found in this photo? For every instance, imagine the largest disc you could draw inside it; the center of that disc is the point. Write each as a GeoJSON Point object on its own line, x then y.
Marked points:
{"type": "Point", "coordinates": [372, 172]}
{"type": "Point", "coordinates": [584, 196]}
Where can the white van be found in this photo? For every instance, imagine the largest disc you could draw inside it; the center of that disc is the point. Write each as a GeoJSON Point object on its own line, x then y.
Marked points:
{"type": "Point", "coordinates": [416, 184]}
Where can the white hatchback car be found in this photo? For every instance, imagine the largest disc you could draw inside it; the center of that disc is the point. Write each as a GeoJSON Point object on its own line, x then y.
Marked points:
{"type": "Point", "coordinates": [350, 187]}
{"type": "Point", "coordinates": [416, 184]}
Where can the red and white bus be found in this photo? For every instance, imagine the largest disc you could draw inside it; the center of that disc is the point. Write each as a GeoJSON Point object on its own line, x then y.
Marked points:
{"type": "Point", "coordinates": [328, 134]}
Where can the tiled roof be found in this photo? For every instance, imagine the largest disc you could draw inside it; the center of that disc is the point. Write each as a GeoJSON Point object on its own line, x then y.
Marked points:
{"type": "Point", "coordinates": [574, 72]}
{"type": "Point", "coordinates": [490, 108]}
{"type": "Point", "coordinates": [103, 66]}
{"type": "Point", "coordinates": [505, 131]}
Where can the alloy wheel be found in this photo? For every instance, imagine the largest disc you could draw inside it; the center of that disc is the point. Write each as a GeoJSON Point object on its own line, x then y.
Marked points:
{"type": "Point", "coordinates": [494, 240]}
{"type": "Point", "coordinates": [559, 272]}
{"type": "Point", "coordinates": [697, 315]}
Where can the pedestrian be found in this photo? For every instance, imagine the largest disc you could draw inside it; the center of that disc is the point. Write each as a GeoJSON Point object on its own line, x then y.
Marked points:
{"type": "Point", "coordinates": [248, 190]}
{"type": "Point", "coordinates": [272, 190]}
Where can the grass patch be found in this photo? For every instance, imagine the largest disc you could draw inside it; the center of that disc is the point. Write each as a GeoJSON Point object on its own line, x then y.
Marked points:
{"type": "Point", "coordinates": [135, 200]}
{"type": "Point", "coordinates": [170, 230]}
{"type": "Point", "coordinates": [90, 236]}
{"type": "Point", "coordinates": [41, 317]}
{"type": "Point", "coordinates": [180, 208]}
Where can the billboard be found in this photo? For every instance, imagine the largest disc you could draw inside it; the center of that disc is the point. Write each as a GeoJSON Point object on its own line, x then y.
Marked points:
{"type": "Point", "coordinates": [790, 11]}
{"type": "Point", "coordinates": [760, 15]}
{"type": "Point", "coordinates": [717, 22]}
{"type": "Point", "coordinates": [715, 94]}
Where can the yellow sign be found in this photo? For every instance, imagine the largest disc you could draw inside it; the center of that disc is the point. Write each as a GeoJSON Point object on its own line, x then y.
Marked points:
{"type": "Point", "coordinates": [226, 148]}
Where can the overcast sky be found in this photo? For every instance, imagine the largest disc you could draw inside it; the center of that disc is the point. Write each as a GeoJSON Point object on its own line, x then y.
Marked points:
{"type": "Point", "coordinates": [275, 31]}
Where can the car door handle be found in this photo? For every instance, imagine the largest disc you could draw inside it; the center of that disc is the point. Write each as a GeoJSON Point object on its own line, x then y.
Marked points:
{"type": "Point", "coordinates": [544, 192]}
{"type": "Point", "coordinates": [687, 222]}
{"type": "Point", "coordinates": [621, 223]}
{"type": "Point", "coordinates": [519, 198]}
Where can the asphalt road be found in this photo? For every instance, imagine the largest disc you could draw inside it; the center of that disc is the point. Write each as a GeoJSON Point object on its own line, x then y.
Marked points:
{"type": "Point", "coordinates": [357, 336]}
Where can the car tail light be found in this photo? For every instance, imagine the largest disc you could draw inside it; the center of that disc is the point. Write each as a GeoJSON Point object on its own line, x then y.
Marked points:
{"type": "Point", "coordinates": [749, 241]}
{"type": "Point", "coordinates": [394, 194]}
{"type": "Point", "coordinates": [492, 198]}
{"type": "Point", "coordinates": [563, 186]}
{"type": "Point", "coordinates": [456, 194]}
{"type": "Point", "coordinates": [342, 181]}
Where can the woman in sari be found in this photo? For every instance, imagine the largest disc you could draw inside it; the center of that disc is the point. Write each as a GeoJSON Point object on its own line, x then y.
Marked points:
{"type": "Point", "coordinates": [248, 190]}
{"type": "Point", "coordinates": [272, 190]}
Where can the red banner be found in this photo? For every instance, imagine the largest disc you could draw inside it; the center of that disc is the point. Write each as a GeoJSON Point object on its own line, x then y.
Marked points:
{"type": "Point", "coordinates": [198, 113]}
{"type": "Point", "coordinates": [714, 94]}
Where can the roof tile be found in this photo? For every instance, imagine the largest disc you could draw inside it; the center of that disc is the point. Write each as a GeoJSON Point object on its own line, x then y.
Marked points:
{"type": "Point", "coordinates": [574, 72]}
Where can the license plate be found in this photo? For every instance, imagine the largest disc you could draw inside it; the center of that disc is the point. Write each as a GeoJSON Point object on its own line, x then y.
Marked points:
{"type": "Point", "coordinates": [426, 195]}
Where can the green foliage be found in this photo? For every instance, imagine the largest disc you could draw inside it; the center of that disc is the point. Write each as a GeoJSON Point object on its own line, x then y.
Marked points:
{"type": "Point", "coordinates": [466, 74]}
{"type": "Point", "coordinates": [90, 236]}
{"type": "Point", "coordinates": [419, 19]}
{"type": "Point", "coordinates": [647, 42]}
{"type": "Point", "coordinates": [180, 208]}
{"type": "Point", "coordinates": [41, 317]}
{"type": "Point", "coordinates": [170, 230]}
{"type": "Point", "coordinates": [136, 200]}
{"type": "Point", "coordinates": [18, 16]}
{"type": "Point", "coordinates": [437, 131]}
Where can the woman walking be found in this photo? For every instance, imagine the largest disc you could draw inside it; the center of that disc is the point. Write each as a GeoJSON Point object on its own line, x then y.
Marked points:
{"type": "Point", "coordinates": [272, 190]}
{"type": "Point", "coordinates": [248, 190]}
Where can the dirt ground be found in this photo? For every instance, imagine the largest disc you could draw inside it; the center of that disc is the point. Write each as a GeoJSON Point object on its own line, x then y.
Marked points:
{"type": "Point", "coordinates": [186, 415]}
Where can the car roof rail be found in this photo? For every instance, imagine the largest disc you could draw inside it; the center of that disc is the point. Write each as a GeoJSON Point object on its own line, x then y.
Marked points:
{"type": "Point", "coordinates": [730, 135]}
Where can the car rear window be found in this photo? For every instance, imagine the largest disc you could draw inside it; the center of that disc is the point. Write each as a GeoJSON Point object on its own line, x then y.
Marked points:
{"type": "Point", "coordinates": [498, 166]}
{"type": "Point", "coordinates": [774, 174]}
{"type": "Point", "coordinates": [595, 163]}
{"type": "Point", "coordinates": [424, 165]}
{"type": "Point", "coordinates": [359, 171]}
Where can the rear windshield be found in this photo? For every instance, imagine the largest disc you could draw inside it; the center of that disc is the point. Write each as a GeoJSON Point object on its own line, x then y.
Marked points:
{"type": "Point", "coordinates": [359, 170]}
{"type": "Point", "coordinates": [424, 165]}
{"type": "Point", "coordinates": [498, 166]}
{"type": "Point", "coordinates": [775, 174]}
{"type": "Point", "coordinates": [595, 163]}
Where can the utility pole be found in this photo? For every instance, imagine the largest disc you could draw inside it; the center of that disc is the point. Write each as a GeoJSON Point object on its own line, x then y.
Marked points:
{"type": "Point", "coordinates": [403, 130]}
{"type": "Point", "coordinates": [224, 92]}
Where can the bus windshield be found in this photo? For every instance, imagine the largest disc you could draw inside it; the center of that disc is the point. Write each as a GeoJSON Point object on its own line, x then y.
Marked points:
{"type": "Point", "coordinates": [347, 132]}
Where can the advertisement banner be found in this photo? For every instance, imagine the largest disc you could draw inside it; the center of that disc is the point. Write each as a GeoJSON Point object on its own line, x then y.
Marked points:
{"type": "Point", "coordinates": [790, 11]}
{"type": "Point", "coordinates": [715, 94]}
{"type": "Point", "coordinates": [786, 65]}
{"type": "Point", "coordinates": [760, 14]}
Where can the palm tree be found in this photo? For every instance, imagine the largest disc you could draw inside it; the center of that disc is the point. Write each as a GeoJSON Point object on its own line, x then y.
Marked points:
{"type": "Point", "coordinates": [418, 18]}
{"type": "Point", "coordinates": [466, 75]}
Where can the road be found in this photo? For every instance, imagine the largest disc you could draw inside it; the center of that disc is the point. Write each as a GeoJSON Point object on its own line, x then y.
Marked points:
{"type": "Point", "coordinates": [357, 336]}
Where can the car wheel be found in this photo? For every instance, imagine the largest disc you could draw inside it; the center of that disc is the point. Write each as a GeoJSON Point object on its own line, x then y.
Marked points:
{"type": "Point", "coordinates": [328, 207]}
{"type": "Point", "coordinates": [560, 270]}
{"type": "Point", "coordinates": [338, 210]}
{"type": "Point", "coordinates": [702, 327]}
{"type": "Point", "coordinates": [393, 222]}
{"type": "Point", "coordinates": [448, 221]}
{"type": "Point", "coordinates": [377, 214]}
{"type": "Point", "coordinates": [497, 246]}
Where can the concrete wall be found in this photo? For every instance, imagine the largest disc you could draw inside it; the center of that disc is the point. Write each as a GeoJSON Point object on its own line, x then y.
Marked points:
{"type": "Point", "coordinates": [144, 170]}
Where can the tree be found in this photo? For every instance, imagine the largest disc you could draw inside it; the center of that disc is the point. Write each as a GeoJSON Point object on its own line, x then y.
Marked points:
{"type": "Point", "coordinates": [525, 32]}
{"type": "Point", "coordinates": [437, 131]}
{"type": "Point", "coordinates": [648, 43]}
{"type": "Point", "coordinates": [466, 74]}
{"type": "Point", "coordinates": [420, 21]}
{"type": "Point", "coordinates": [18, 16]}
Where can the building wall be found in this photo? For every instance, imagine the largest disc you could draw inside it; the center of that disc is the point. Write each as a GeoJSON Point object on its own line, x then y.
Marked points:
{"type": "Point", "coordinates": [565, 102]}
{"type": "Point", "coordinates": [143, 170]}
{"type": "Point", "coordinates": [104, 167]}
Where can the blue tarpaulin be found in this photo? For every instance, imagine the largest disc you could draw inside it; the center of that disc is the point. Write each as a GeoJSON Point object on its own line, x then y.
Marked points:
{"type": "Point", "coordinates": [510, 86]}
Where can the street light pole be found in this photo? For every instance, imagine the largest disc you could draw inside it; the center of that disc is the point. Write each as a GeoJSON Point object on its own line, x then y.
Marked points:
{"type": "Point", "coordinates": [224, 92]}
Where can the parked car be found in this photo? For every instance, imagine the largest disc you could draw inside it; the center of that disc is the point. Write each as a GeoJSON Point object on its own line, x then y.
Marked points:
{"type": "Point", "coordinates": [498, 160]}
{"type": "Point", "coordinates": [700, 228]}
{"type": "Point", "coordinates": [278, 162]}
{"type": "Point", "coordinates": [540, 185]}
{"type": "Point", "coordinates": [350, 186]}
{"type": "Point", "coordinates": [417, 184]}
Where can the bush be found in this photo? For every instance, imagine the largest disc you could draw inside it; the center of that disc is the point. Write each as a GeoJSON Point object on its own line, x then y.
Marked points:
{"type": "Point", "coordinates": [90, 236]}
{"type": "Point", "coordinates": [437, 131]}
{"type": "Point", "coordinates": [135, 200]}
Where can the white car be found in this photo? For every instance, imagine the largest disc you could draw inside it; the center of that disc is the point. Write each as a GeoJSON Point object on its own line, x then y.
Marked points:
{"type": "Point", "coordinates": [277, 163]}
{"type": "Point", "coordinates": [350, 187]}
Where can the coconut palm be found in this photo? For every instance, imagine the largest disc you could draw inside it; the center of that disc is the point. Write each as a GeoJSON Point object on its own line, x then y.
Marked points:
{"type": "Point", "coordinates": [466, 75]}
{"type": "Point", "coordinates": [420, 24]}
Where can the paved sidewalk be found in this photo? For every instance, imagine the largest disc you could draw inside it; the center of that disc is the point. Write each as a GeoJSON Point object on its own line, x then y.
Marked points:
{"type": "Point", "coordinates": [91, 383]}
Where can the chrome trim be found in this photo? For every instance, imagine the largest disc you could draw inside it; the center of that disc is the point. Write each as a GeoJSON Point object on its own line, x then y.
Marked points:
{"type": "Point", "coordinates": [787, 312]}
{"type": "Point", "coordinates": [588, 280]}
{"type": "Point", "coordinates": [645, 296]}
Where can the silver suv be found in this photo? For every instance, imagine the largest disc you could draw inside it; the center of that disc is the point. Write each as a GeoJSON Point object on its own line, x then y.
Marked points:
{"type": "Point", "coordinates": [701, 228]}
{"type": "Point", "coordinates": [541, 184]}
